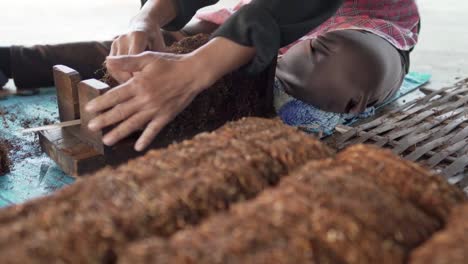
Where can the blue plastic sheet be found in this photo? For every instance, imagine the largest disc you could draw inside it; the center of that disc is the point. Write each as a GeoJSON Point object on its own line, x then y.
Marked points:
{"type": "Point", "coordinates": [33, 174]}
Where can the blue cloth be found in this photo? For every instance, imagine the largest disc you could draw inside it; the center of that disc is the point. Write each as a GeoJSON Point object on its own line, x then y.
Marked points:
{"type": "Point", "coordinates": [313, 120]}
{"type": "Point", "coordinates": [33, 174]}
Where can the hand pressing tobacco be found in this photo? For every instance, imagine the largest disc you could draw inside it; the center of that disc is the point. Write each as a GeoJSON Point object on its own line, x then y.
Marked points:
{"type": "Point", "coordinates": [160, 87]}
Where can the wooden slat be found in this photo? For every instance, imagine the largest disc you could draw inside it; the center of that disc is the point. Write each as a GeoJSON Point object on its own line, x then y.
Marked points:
{"type": "Point", "coordinates": [440, 156]}
{"type": "Point", "coordinates": [459, 136]}
{"type": "Point", "coordinates": [391, 144]}
{"type": "Point", "coordinates": [408, 142]}
{"type": "Point", "coordinates": [66, 80]}
{"type": "Point", "coordinates": [451, 126]}
{"type": "Point", "coordinates": [398, 133]}
{"type": "Point", "coordinates": [424, 149]}
{"type": "Point", "coordinates": [457, 167]}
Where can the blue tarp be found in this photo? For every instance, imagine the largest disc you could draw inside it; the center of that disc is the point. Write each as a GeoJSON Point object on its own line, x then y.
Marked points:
{"type": "Point", "coordinates": [33, 173]}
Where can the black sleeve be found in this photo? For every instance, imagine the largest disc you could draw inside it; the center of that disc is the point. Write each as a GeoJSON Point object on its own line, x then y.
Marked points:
{"type": "Point", "coordinates": [268, 25]}
{"type": "Point", "coordinates": [186, 9]}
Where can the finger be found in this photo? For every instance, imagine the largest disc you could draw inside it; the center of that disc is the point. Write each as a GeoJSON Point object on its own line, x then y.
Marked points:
{"type": "Point", "coordinates": [110, 99]}
{"type": "Point", "coordinates": [122, 77]}
{"type": "Point", "coordinates": [115, 115]}
{"type": "Point", "coordinates": [127, 127]}
{"type": "Point", "coordinates": [130, 63]}
{"type": "Point", "coordinates": [137, 45]}
{"type": "Point", "coordinates": [114, 48]}
{"type": "Point", "coordinates": [122, 47]}
{"type": "Point", "coordinates": [158, 43]}
{"type": "Point", "coordinates": [151, 131]}
{"type": "Point", "coordinates": [119, 76]}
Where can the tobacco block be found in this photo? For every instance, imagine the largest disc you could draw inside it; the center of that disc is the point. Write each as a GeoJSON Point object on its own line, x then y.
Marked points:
{"type": "Point", "coordinates": [449, 246]}
{"type": "Point", "coordinates": [430, 192]}
{"type": "Point", "coordinates": [300, 221]}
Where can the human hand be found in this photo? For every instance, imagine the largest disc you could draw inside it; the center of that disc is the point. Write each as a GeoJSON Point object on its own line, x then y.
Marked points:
{"type": "Point", "coordinates": [161, 86]}
{"type": "Point", "coordinates": [133, 43]}
{"type": "Point", "coordinates": [145, 33]}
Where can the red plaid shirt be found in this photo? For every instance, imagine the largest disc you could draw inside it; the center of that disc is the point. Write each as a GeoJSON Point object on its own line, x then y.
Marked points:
{"type": "Point", "coordinates": [396, 21]}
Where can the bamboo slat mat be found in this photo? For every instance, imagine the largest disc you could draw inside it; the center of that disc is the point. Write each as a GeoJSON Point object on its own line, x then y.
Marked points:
{"type": "Point", "coordinates": [432, 131]}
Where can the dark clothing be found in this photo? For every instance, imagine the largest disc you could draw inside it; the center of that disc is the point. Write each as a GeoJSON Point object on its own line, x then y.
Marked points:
{"type": "Point", "coordinates": [31, 67]}
{"type": "Point", "coordinates": [5, 61]}
{"type": "Point", "coordinates": [266, 25]}
{"type": "Point", "coordinates": [343, 71]}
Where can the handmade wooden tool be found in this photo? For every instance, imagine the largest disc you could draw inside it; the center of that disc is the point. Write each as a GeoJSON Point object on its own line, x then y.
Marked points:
{"type": "Point", "coordinates": [79, 151]}
{"type": "Point", "coordinates": [67, 146]}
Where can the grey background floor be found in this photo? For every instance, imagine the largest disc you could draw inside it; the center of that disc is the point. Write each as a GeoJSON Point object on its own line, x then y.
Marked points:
{"type": "Point", "coordinates": [441, 51]}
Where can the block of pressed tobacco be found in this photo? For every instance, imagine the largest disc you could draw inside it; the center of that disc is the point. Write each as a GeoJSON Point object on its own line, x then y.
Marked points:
{"type": "Point", "coordinates": [271, 230]}
{"type": "Point", "coordinates": [426, 190]}
{"type": "Point", "coordinates": [188, 153]}
{"type": "Point", "coordinates": [250, 124]}
{"type": "Point", "coordinates": [157, 194]}
{"type": "Point", "coordinates": [449, 246]}
{"type": "Point", "coordinates": [284, 144]}
{"type": "Point", "coordinates": [323, 213]}
{"type": "Point", "coordinates": [345, 190]}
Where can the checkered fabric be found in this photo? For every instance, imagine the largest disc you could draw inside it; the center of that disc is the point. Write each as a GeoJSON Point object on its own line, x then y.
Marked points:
{"type": "Point", "coordinates": [397, 21]}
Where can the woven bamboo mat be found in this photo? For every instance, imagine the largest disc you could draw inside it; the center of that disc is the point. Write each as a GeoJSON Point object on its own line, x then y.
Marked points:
{"type": "Point", "coordinates": [432, 131]}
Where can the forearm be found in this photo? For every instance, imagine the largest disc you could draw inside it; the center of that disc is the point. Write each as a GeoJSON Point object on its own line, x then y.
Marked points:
{"type": "Point", "coordinates": [154, 14]}
{"type": "Point", "coordinates": [171, 15]}
{"type": "Point", "coordinates": [219, 57]}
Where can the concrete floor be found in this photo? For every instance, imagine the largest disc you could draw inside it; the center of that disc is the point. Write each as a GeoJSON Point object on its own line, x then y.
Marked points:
{"type": "Point", "coordinates": [441, 51]}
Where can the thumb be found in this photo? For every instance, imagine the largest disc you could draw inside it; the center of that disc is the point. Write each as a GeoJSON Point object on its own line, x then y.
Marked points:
{"type": "Point", "coordinates": [128, 63]}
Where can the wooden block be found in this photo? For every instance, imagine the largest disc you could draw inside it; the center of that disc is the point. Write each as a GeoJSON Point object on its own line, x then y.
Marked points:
{"type": "Point", "coordinates": [87, 91]}
{"type": "Point", "coordinates": [66, 81]}
{"type": "Point", "coordinates": [73, 156]}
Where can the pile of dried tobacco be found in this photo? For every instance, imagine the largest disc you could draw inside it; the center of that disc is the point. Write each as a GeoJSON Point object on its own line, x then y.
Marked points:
{"type": "Point", "coordinates": [352, 209]}
{"type": "Point", "coordinates": [431, 193]}
{"type": "Point", "coordinates": [449, 246]}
